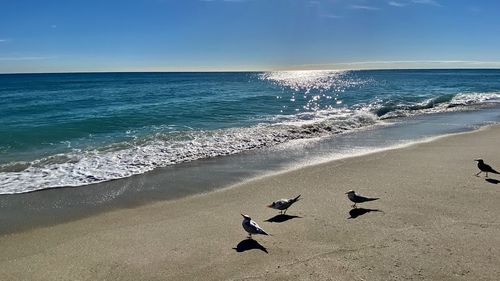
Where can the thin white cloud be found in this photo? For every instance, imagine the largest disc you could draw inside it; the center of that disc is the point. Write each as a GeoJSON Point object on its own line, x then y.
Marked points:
{"type": "Point", "coordinates": [399, 64]}
{"type": "Point", "coordinates": [413, 61]}
{"type": "Point", "coordinates": [396, 4]}
{"type": "Point", "coordinates": [363, 7]}
{"type": "Point", "coordinates": [4, 40]}
{"type": "Point", "coordinates": [404, 3]}
{"type": "Point", "coordinates": [427, 2]}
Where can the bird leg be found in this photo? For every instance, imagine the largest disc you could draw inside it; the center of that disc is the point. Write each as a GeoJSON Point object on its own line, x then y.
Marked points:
{"type": "Point", "coordinates": [285, 211]}
{"type": "Point", "coordinates": [249, 235]}
{"type": "Point", "coordinates": [354, 206]}
{"type": "Point", "coordinates": [486, 174]}
{"type": "Point", "coordinates": [477, 175]}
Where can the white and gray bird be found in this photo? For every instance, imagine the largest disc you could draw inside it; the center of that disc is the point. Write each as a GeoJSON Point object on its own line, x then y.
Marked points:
{"type": "Point", "coordinates": [357, 198]}
{"type": "Point", "coordinates": [251, 227]}
{"type": "Point", "coordinates": [283, 204]}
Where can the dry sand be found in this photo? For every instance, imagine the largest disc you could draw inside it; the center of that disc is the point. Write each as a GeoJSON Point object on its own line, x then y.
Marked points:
{"type": "Point", "coordinates": [437, 221]}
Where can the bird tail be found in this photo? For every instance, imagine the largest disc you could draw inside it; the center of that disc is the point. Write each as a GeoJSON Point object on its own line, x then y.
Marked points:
{"type": "Point", "coordinates": [296, 198]}
{"type": "Point", "coordinates": [495, 172]}
{"type": "Point", "coordinates": [372, 199]}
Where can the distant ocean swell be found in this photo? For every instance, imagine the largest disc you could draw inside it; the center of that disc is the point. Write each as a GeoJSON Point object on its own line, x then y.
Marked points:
{"type": "Point", "coordinates": [125, 159]}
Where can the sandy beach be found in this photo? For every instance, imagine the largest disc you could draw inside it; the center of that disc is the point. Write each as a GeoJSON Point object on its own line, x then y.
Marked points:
{"type": "Point", "coordinates": [435, 221]}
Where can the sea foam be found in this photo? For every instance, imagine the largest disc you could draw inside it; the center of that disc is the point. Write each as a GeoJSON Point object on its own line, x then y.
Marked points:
{"type": "Point", "coordinates": [86, 167]}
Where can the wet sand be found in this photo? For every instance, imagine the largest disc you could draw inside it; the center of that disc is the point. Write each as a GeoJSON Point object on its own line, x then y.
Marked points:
{"type": "Point", "coordinates": [435, 221]}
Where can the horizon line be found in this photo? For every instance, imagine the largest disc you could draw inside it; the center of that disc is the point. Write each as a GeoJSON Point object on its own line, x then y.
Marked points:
{"type": "Point", "coordinates": [243, 70]}
{"type": "Point", "coordinates": [355, 65]}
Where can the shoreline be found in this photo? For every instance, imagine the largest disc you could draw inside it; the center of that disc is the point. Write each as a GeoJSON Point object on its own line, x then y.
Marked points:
{"type": "Point", "coordinates": [114, 193]}
{"type": "Point", "coordinates": [434, 220]}
{"type": "Point", "coordinates": [94, 199]}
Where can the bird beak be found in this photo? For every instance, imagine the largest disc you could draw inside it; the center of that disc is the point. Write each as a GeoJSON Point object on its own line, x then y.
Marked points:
{"type": "Point", "coordinates": [242, 215]}
{"type": "Point", "coordinates": [346, 193]}
{"type": "Point", "coordinates": [270, 206]}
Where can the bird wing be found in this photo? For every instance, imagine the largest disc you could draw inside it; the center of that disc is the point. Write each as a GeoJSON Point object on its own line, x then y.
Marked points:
{"type": "Point", "coordinates": [280, 203]}
{"type": "Point", "coordinates": [257, 228]}
{"type": "Point", "coordinates": [249, 227]}
{"type": "Point", "coordinates": [361, 198]}
{"type": "Point", "coordinates": [254, 224]}
{"type": "Point", "coordinates": [488, 168]}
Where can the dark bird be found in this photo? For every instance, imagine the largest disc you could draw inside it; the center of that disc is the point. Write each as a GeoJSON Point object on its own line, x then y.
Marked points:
{"type": "Point", "coordinates": [484, 168]}
{"type": "Point", "coordinates": [357, 198]}
{"type": "Point", "coordinates": [251, 227]}
{"type": "Point", "coordinates": [283, 204]}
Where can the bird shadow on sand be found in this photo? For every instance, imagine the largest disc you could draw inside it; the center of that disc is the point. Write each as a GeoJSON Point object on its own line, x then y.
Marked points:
{"type": "Point", "coordinates": [282, 218]}
{"type": "Point", "coordinates": [493, 181]}
{"type": "Point", "coordinates": [249, 244]}
{"type": "Point", "coordinates": [354, 213]}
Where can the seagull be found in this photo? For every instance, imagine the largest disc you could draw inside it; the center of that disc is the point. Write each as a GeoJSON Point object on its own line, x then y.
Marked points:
{"type": "Point", "coordinates": [251, 227]}
{"type": "Point", "coordinates": [283, 204]}
{"type": "Point", "coordinates": [484, 168]}
{"type": "Point", "coordinates": [357, 198]}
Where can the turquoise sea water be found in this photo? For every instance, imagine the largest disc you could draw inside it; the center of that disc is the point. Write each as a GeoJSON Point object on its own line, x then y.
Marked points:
{"type": "Point", "coordinates": [77, 129]}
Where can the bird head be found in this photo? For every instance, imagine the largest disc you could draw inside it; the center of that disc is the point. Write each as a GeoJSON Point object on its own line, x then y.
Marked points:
{"type": "Point", "coordinates": [350, 192]}
{"type": "Point", "coordinates": [246, 217]}
{"type": "Point", "coordinates": [479, 160]}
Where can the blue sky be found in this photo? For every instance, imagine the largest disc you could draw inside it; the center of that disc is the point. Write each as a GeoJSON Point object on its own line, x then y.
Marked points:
{"type": "Point", "coordinates": [169, 35]}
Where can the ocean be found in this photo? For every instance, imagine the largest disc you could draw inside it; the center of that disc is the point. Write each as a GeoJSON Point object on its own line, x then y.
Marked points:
{"type": "Point", "coordinates": [78, 129]}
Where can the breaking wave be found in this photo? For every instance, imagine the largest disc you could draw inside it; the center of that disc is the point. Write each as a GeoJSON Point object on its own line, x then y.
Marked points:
{"type": "Point", "coordinates": [445, 103]}
{"type": "Point", "coordinates": [127, 159]}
